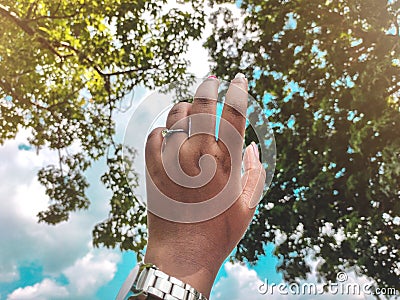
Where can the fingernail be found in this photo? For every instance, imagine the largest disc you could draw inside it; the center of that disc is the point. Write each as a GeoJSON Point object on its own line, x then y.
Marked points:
{"type": "Point", "coordinates": [240, 78]}
{"type": "Point", "coordinates": [240, 75]}
{"type": "Point", "coordinates": [246, 157]}
{"type": "Point", "coordinates": [255, 150]}
{"type": "Point", "coordinates": [212, 77]}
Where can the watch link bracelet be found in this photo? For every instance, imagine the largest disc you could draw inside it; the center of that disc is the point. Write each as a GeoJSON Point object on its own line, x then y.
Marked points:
{"type": "Point", "coordinates": [147, 280]}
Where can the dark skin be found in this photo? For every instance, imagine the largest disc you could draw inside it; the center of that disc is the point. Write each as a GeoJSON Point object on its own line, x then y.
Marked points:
{"type": "Point", "coordinates": [194, 252]}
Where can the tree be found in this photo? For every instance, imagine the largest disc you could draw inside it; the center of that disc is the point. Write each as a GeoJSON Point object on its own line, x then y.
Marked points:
{"type": "Point", "coordinates": [65, 67]}
{"type": "Point", "coordinates": [328, 73]}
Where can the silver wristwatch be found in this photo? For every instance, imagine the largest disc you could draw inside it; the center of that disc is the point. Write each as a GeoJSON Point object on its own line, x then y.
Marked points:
{"type": "Point", "coordinates": [147, 279]}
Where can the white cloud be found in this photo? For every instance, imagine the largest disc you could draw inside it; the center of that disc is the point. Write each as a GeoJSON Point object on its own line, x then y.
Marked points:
{"type": "Point", "coordinates": [56, 249]}
{"type": "Point", "coordinates": [244, 283]}
{"type": "Point", "coordinates": [241, 283]}
{"type": "Point", "coordinates": [47, 289]}
{"type": "Point", "coordinates": [84, 278]}
{"type": "Point", "coordinates": [60, 249]}
{"type": "Point", "coordinates": [91, 272]}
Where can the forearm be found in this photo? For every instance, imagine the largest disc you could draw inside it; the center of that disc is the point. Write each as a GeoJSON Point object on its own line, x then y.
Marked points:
{"type": "Point", "coordinates": [188, 243]}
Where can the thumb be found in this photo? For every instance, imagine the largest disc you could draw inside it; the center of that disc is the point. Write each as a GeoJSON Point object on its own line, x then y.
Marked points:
{"type": "Point", "coordinates": [252, 186]}
{"type": "Point", "coordinates": [253, 178]}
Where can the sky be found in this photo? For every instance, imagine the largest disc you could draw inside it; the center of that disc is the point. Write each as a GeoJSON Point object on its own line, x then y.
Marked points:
{"type": "Point", "coordinates": [41, 262]}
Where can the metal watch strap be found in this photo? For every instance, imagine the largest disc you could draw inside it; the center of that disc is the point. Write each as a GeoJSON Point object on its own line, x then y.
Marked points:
{"type": "Point", "coordinates": [152, 281]}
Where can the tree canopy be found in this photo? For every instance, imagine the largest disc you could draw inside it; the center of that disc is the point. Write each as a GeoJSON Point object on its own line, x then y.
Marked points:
{"type": "Point", "coordinates": [65, 67]}
{"type": "Point", "coordinates": [328, 74]}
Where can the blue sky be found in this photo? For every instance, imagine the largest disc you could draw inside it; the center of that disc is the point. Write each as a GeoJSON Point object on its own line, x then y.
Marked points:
{"type": "Point", "coordinates": [43, 262]}
{"type": "Point", "coordinates": [38, 261]}
{"type": "Point", "coordinates": [58, 262]}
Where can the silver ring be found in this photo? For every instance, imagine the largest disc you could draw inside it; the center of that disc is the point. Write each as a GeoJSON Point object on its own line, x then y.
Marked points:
{"type": "Point", "coordinates": [167, 132]}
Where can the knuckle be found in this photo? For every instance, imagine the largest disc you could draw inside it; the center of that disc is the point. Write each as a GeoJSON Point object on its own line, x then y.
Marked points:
{"type": "Point", "coordinates": [177, 112]}
{"type": "Point", "coordinates": [200, 145]}
{"type": "Point", "coordinates": [235, 109]}
{"type": "Point", "coordinates": [205, 102]}
{"type": "Point", "coordinates": [176, 109]}
{"type": "Point", "coordinates": [154, 133]}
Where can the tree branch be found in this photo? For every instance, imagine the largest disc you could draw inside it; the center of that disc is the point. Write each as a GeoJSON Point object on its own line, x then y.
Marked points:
{"type": "Point", "coordinates": [66, 97]}
{"type": "Point", "coordinates": [55, 17]}
{"type": "Point", "coordinates": [31, 8]}
{"type": "Point", "coordinates": [8, 89]}
{"type": "Point", "coordinates": [12, 16]}
{"type": "Point", "coordinates": [52, 46]}
{"type": "Point", "coordinates": [93, 64]}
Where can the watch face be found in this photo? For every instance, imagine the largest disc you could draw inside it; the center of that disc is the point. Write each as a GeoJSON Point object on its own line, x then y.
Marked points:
{"type": "Point", "coordinates": [125, 292]}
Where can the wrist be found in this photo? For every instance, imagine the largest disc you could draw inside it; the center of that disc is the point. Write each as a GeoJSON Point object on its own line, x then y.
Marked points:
{"type": "Point", "coordinates": [187, 268]}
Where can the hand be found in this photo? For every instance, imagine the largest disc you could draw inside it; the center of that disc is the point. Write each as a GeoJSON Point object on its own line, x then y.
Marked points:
{"type": "Point", "coordinates": [194, 251]}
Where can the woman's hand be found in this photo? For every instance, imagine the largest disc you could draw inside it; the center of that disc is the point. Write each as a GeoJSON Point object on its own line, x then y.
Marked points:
{"type": "Point", "coordinates": [199, 205]}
